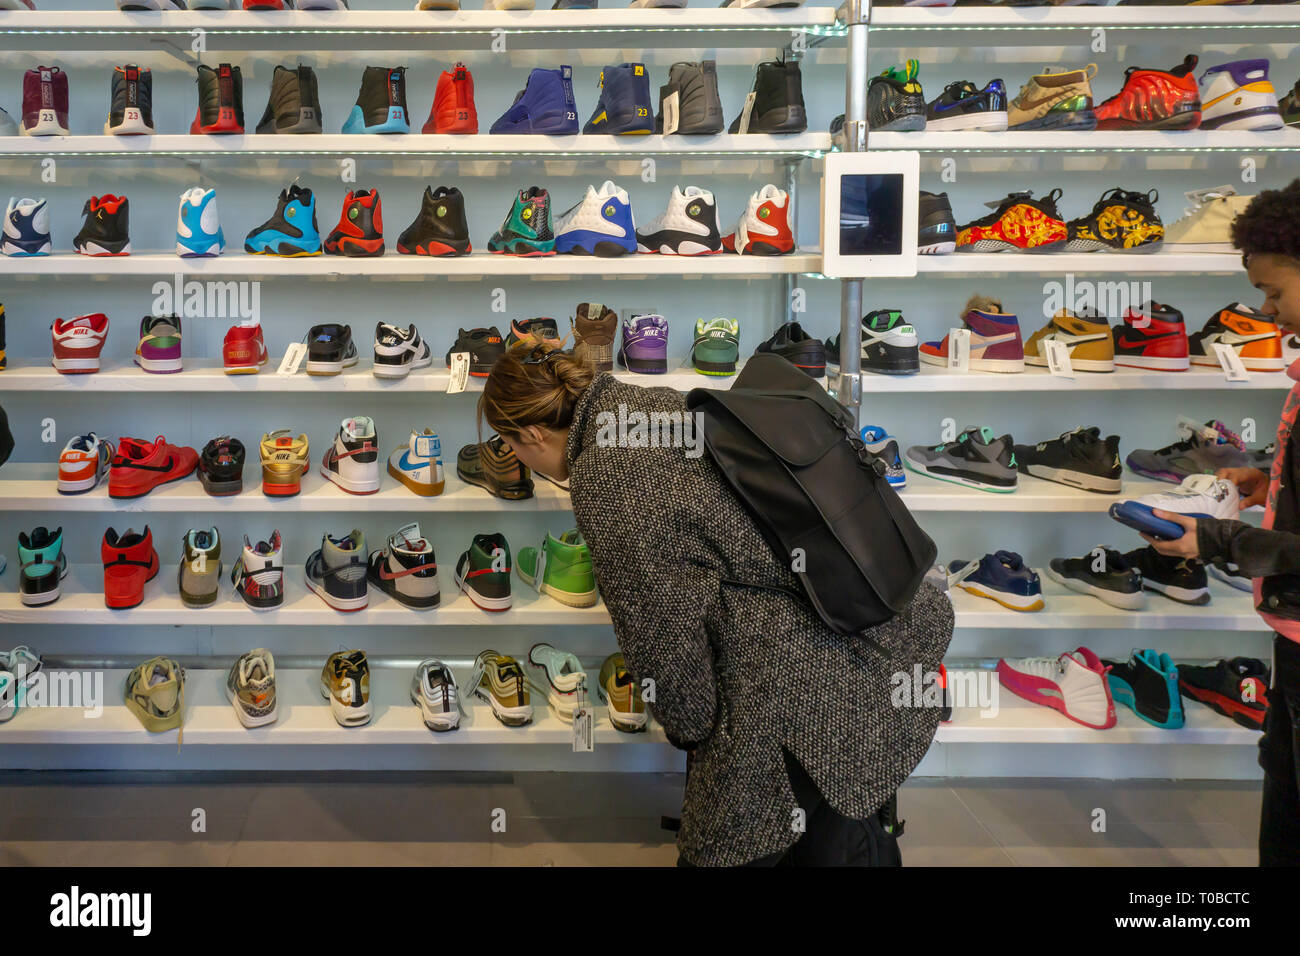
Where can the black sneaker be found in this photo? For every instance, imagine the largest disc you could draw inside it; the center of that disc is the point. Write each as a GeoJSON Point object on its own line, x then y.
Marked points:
{"type": "Point", "coordinates": [221, 100]}
{"type": "Point", "coordinates": [131, 106]}
{"type": "Point", "coordinates": [936, 229]}
{"type": "Point", "coordinates": [1120, 221]}
{"type": "Point", "coordinates": [1080, 458]}
{"type": "Point", "coordinates": [895, 100]}
{"type": "Point", "coordinates": [440, 228]}
{"type": "Point", "coordinates": [964, 106]}
{"type": "Point", "coordinates": [1179, 579]}
{"type": "Point", "coordinates": [1236, 688]}
{"type": "Point", "coordinates": [381, 103]}
{"type": "Point", "coordinates": [399, 350]}
{"type": "Point", "coordinates": [330, 349]}
{"type": "Point", "coordinates": [1147, 683]}
{"type": "Point", "coordinates": [798, 348]}
{"type": "Point", "coordinates": [1230, 574]}
{"type": "Point", "coordinates": [221, 466]}
{"type": "Point", "coordinates": [534, 329]}
{"type": "Point", "coordinates": [1103, 573]}
{"type": "Point", "coordinates": [104, 232]}
{"type": "Point", "coordinates": [294, 103]}
{"type": "Point", "coordinates": [484, 346]}
{"type": "Point", "coordinates": [699, 107]}
{"type": "Point", "coordinates": [889, 344]}
{"type": "Point", "coordinates": [778, 100]}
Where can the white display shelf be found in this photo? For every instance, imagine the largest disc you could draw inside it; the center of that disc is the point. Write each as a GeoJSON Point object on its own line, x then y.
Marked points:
{"type": "Point", "coordinates": [1060, 263]}
{"type": "Point", "coordinates": [1096, 141]}
{"type": "Point", "coordinates": [934, 378]}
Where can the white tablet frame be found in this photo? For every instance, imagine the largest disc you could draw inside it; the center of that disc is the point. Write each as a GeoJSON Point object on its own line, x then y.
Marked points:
{"type": "Point", "coordinates": [837, 265]}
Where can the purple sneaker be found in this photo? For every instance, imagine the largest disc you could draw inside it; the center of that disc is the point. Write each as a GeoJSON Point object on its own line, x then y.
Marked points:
{"type": "Point", "coordinates": [160, 344]}
{"type": "Point", "coordinates": [1238, 95]}
{"type": "Point", "coordinates": [645, 344]}
{"type": "Point", "coordinates": [45, 102]}
{"type": "Point", "coordinates": [995, 342]}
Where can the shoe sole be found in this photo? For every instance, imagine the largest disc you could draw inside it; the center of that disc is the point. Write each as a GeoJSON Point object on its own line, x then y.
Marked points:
{"type": "Point", "coordinates": [435, 722]}
{"type": "Point", "coordinates": [350, 486]}
{"type": "Point", "coordinates": [1003, 598]}
{"type": "Point", "coordinates": [515, 491]}
{"type": "Point", "coordinates": [957, 479]}
{"type": "Point", "coordinates": [424, 491]}
{"type": "Point", "coordinates": [244, 718]}
{"type": "Point", "coordinates": [1136, 601]}
{"type": "Point", "coordinates": [140, 494]}
{"type": "Point", "coordinates": [1076, 479]}
{"type": "Point", "coordinates": [346, 605]}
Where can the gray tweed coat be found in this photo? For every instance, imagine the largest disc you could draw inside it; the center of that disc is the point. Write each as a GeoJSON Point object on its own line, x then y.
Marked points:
{"type": "Point", "coordinates": [742, 667]}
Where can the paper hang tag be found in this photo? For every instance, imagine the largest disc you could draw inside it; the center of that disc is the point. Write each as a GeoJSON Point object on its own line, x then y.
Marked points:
{"type": "Point", "coordinates": [1057, 354]}
{"type": "Point", "coordinates": [584, 737]}
{"type": "Point", "coordinates": [293, 357]}
{"type": "Point", "coordinates": [410, 532]}
{"type": "Point", "coordinates": [428, 446]}
{"type": "Point", "coordinates": [744, 115]}
{"type": "Point", "coordinates": [459, 372]}
{"type": "Point", "coordinates": [959, 350]}
{"type": "Point", "coordinates": [671, 117]}
{"type": "Point", "coordinates": [1230, 361]}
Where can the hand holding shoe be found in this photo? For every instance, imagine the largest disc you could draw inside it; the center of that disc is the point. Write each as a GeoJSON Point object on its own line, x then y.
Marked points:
{"type": "Point", "coordinates": [1186, 546]}
{"type": "Point", "coordinates": [1252, 484]}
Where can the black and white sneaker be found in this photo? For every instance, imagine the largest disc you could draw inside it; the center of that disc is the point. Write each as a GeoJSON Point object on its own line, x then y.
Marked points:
{"type": "Point", "coordinates": [1080, 458]}
{"type": "Point", "coordinates": [688, 227]}
{"type": "Point", "coordinates": [330, 349]}
{"type": "Point", "coordinates": [1231, 575]}
{"type": "Point", "coordinates": [976, 459]}
{"type": "Point", "coordinates": [398, 350]}
{"type": "Point", "coordinates": [1103, 573]}
{"type": "Point", "coordinates": [1178, 579]}
{"type": "Point", "coordinates": [889, 344]}
{"type": "Point", "coordinates": [406, 569]}
{"type": "Point", "coordinates": [964, 106]}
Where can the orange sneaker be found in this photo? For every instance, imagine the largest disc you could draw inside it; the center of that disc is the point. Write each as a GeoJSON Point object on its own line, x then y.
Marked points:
{"type": "Point", "coordinates": [1252, 334]}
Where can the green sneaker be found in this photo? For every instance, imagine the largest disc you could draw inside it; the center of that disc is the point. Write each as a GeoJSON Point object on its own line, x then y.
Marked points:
{"type": "Point", "coordinates": [483, 572]}
{"type": "Point", "coordinates": [561, 568]}
{"type": "Point", "coordinates": [717, 346]}
{"type": "Point", "coordinates": [527, 229]}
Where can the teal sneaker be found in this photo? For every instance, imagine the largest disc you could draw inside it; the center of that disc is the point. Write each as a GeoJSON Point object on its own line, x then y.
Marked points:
{"type": "Point", "coordinates": [42, 565]}
{"type": "Point", "coordinates": [717, 346]}
{"type": "Point", "coordinates": [527, 229]}
{"type": "Point", "coordinates": [562, 568]}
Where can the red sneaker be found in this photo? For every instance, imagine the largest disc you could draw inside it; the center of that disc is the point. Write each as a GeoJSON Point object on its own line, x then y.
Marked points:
{"type": "Point", "coordinates": [764, 228]}
{"type": "Point", "coordinates": [243, 350]}
{"type": "Point", "coordinates": [221, 100]}
{"type": "Point", "coordinates": [140, 466]}
{"type": "Point", "coordinates": [129, 562]}
{"type": "Point", "coordinates": [1154, 99]}
{"type": "Point", "coordinates": [453, 104]}
{"type": "Point", "coordinates": [77, 343]}
{"type": "Point", "coordinates": [1152, 337]}
{"type": "Point", "coordinates": [266, 5]}
{"type": "Point", "coordinates": [360, 232]}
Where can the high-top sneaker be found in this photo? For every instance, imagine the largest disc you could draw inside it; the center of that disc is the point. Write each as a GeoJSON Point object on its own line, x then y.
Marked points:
{"type": "Point", "coordinates": [544, 106]}
{"type": "Point", "coordinates": [494, 467]}
{"type": "Point", "coordinates": [199, 574]}
{"type": "Point", "coordinates": [243, 350]}
{"type": "Point", "coordinates": [600, 224]}
{"type": "Point", "coordinates": [1121, 221]}
{"type": "Point", "coordinates": [895, 100]}
{"type": "Point", "coordinates": [561, 567]}
{"type": "Point", "coordinates": [1252, 334]}
{"type": "Point", "coordinates": [360, 232]}
{"type": "Point", "coordinates": [104, 232]}
{"type": "Point", "coordinates": [440, 227]}
{"type": "Point", "coordinates": [526, 230]}
{"type": "Point", "coordinates": [996, 344]}
{"type": "Point", "coordinates": [78, 342]}
{"type": "Point", "coordinates": [352, 461]}
{"type": "Point", "coordinates": [698, 106]}
{"type": "Point", "coordinates": [131, 110]}
{"type": "Point", "coordinates": [1085, 335]}
{"type": "Point", "coordinates": [1238, 95]}
{"type": "Point", "coordinates": [294, 102]}
{"type": "Point", "coordinates": [398, 350]}
{"type": "Point", "coordinates": [645, 344]}
{"type": "Point", "coordinates": [453, 108]}
{"type": "Point", "coordinates": [764, 227]}
{"type": "Point", "coordinates": [1153, 336]}
{"type": "Point", "coordinates": [1154, 99]}
{"type": "Point", "coordinates": [130, 562]}
{"type": "Point", "coordinates": [381, 104]}
{"type": "Point", "coordinates": [292, 231]}
{"type": "Point", "coordinates": [936, 230]}
{"type": "Point", "coordinates": [406, 569]}
{"type": "Point", "coordinates": [1018, 223]}
{"type": "Point", "coordinates": [41, 566]}
{"type": "Point", "coordinates": [45, 102]}
{"type": "Point", "coordinates": [624, 106]}
{"type": "Point", "coordinates": [1075, 684]}
{"type": "Point", "coordinates": [221, 100]}
{"type": "Point", "coordinates": [483, 572]}
{"type": "Point", "coordinates": [198, 229]}
{"type": "Point", "coordinates": [337, 572]}
{"type": "Point", "coordinates": [689, 227]}
{"type": "Point", "coordinates": [26, 228]}
{"type": "Point", "coordinates": [594, 328]}
{"type": "Point", "coordinates": [1206, 225]}
{"type": "Point", "coordinates": [778, 100]}
{"type": "Point", "coordinates": [418, 464]}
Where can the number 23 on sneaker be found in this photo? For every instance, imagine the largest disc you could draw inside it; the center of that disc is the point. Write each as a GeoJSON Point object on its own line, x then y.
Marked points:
{"type": "Point", "coordinates": [352, 460]}
{"type": "Point", "coordinates": [337, 571]}
{"type": "Point", "coordinates": [418, 464]}
{"type": "Point", "coordinates": [141, 466]}
{"type": "Point", "coordinates": [345, 683]}
{"type": "Point", "coordinates": [1001, 577]}
{"type": "Point", "coordinates": [130, 562]}
{"type": "Point", "coordinates": [1075, 684]}
{"type": "Point", "coordinates": [42, 565]}
{"type": "Point", "coordinates": [1104, 574]}
{"type": "Point", "coordinates": [1199, 496]}
{"type": "Point", "coordinates": [561, 567]}
{"type": "Point", "coordinates": [84, 463]}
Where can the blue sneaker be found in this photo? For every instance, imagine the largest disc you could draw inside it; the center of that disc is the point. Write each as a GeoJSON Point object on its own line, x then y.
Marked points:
{"type": "Point", "coordinates": [292, 231]}
{"type": "Point", "coordinates": [198, 231]}
{"type": "Point", "coordinates": [381, 104]}
{"type": "Point", "coordinates": [26, 228]}
{"type": "Point", "coordinates": [624, 108]}
{"type": "Point", "coordinates": [600, 224]}
{"type": "Point", "coordinates": [1147, 683]}
{"type": "Point", "coordinates": [545, 105]}
{"type": "Point", "coordinates": [1000, 577]}
{"type": "Point", "coordinates": [885, 447]}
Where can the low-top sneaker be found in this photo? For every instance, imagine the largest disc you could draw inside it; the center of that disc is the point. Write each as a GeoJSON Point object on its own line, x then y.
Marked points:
{"type": "Point", "coordinates": [1231, 575]}
{"type": "Point", "coordinates": [352, 459]}
{"type": "Point", "coordinates": [138, 466]}
{"type": "Point", "coordinates": [884, 446]}
{"type": "Point", "coordinates": [84, 463]}
{"type": "Point", "coordinates": [717, 346]}
{"type": "Point", "coordinates": [1180, 579]}
{"type": "Point", "coordinates": [483, 572]}
{"type": "Point", "coordinates": [160, 344]}
{"type": "Point", "coordinates": [418, 464]}
{"type": "Point", "coordinates": [243, 350]}
{"type": "Point", "coordinates": [499, 681]}
{"type": "Point", "coordinates": [330, 349]}
{"type": "Point", "coordinates": [976, 459]}
{"type": "Point", "coordinates": [1236, 688]}
{"type": "Point", "coordinates": [1080, 458]}
{"type": "Point", "coordinates": [1002, 577]}
{"type": "Point", "coordinates": [1200, 449]}
{"type": "Point", "coordinates": [258, 575]}
{"type": "Point", "coordinates": [434, 691]}
{"type": "Point", "coordinates": [618, 689]}
{"type": "Point", "coordinates": [41, 566]}
{"type": "Point", "coordinates": [532, 331]}
{"type": "Point", "coordinates": [644, 347]}
{"type": "Point", "coordinates": [406, 569]}
{"type": "Point", "coordinates": [130, 562]}
{"type": "Point", "coordinates": [889, 344]}
{"type": "Point", "coordinates": [285, 459]}
{"type": "Point", "coordinates": [155, 693]}
{"type": "Point", "coordinates": [199, 574]}
{"type": "Point", "coordinates": [964, 106]}
{"type": "Point", "coordinates": [1074, 683]}
{"type": "Point", "coordinates": [337, 571]}
{"type": "Point", "coordinates": [484, 347]}
{"type": "Point", "coordinates": [250, 685]}
{"type": "Point", "coordinates": [562, 676]}
{"type": "Point", "coordinates": [399, 350]}
{"type": "Point", "coordinates": [78, 342]}
{"type": "Point", "coordinates": [1147, 684]}
{"type": "Point", "coordinates": [345, 683]}
{"type": "Point", "coordinates": [1199, 496]}
{"type": "Point", "coordinates": [1103, 573]}
{"type": "Point", "coordinates": [803, 351]}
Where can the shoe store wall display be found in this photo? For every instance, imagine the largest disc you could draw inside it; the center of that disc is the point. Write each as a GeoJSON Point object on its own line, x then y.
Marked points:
{"type": "Point", "coordinates": [251, 299]}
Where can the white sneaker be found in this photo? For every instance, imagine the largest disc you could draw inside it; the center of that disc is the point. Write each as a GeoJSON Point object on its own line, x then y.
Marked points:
{"type": "Point", "coordinates": [352, 459]}
{"type": "Point", "coordinates": [1206, 225]}
{"type": "Point", "coordinates": [434, 691]}
{"type": "Point", "coordinates": [1238, 95]}
{"type": "Point", "coordinates": [418, 464]}
{"type": "Point", "coordinates": [764, 227]}
{"type": "Point", "coordinates": [198, 227]}
{"type": "Point", "coordinates": [1074, 683]}
{"type": "Point", "coordinates": [600, 224]}
{"type": "Point", "coordinates": [399, 350]}
{"type": "Point", "coordinates": [1199, 496]}
{"type": "Point", "coordinates": [509, 4]}
{"type": "Point", "coordinates": [689, 227]}
{"type": "Point", "coordinates": [562, 676]}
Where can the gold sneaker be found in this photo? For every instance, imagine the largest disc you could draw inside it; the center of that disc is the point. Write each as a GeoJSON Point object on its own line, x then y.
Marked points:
{"type": "Point", "coordinates": [285, 460]}
{"type": "Point", "coordinates": [499, 680]}
{"type": "Point", "coordinates": [1055, 101]}
{"type": "Point", "coordinates": [1206, 225]}
{"type": "Point", "coordinates": [345, 683]}
{"type": "Point", "coordinates": [620, 692]}
{"type": "Point", "coordinates": [1087, 337]}
{"type": "Point", "coordinates": [155, 693]}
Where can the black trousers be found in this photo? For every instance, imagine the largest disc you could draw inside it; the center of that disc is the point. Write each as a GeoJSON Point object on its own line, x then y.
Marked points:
{"type": "Point", "coordinates": [1279, 818]}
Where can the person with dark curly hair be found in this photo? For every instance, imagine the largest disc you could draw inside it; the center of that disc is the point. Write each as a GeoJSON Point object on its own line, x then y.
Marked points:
{"type": "Point", "coordinates": [1268, 234]}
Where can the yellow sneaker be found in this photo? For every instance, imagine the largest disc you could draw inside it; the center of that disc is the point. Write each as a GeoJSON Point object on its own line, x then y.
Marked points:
{"type": "Point", "coordinates": [1087, 337]}
{"type": "Point", "coordinates": [285, 460]}
{"type": "Point", "coordinates": [155, 693]}
{"type": "Point", "coordinates": [1055, 101]}
{"type": "Point", "coordinates": [345, 683]}
{"type": "Point", "coordinates": [619, 690]}
{"type": "Point", "coordinates": [500, 682]}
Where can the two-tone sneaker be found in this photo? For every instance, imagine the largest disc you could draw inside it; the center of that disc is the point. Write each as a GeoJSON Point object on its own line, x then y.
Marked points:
{"type": "Point", "coordinates": [155, 694]}
{"type": "Point", "coordinates": [1080, 458]}
{"type": "Point", "coordinates": [895, 100]}
{"type": "Point", "coordinates": [499, 681]}
{"type": "Point", "coordinates": [440, 227]}
{"type": "Point", "coordinates": [494, 467]}
{"type": "Point", "coordinates": [716, 349]}
{"type": "Point", "coordinates": [330, 349]}
{"type": "Point", "coordinates": [45, 102]}
{"type": "Point", "coordinates": [484, 347]}
{"type": "Point", "coordinates": [1002, 577]}
{"type": "Point", "coordinates": [1147, 684]}
{"type": "Point", "coordinates": [976, 459]}
{"type": "Point", "coordinates": [399, 350]}
{"type": "Point", "coordinates": [220, 108]}
{"type": "Point", "coordinates": [1102, 573]}
{"type": "Point", "coordinates": [881, 445]}
{"type": "Point", "coordinates": [360, 230]}
{"type": "Point", "coordinates": [644, 347]}
{"type": "Point", "coordinates": [292, 231]}
{"type": "Point", "coordinates": [483, 572]}
{"type": "Point", "coordinates": [1018, 223]}
{"type": "Point", "coordinates": [285, 460]}
{"type": "Point", "coordinates": [1086, 336]}
{"type": "Point", "coordinates": [889, 344]}
{"type": "Point", "coordinates": [1252, 334]}
{"type": "Point", "coordinates": [1055, 100]}
{"type": "Point", "coordinates": [1075, 684]}
{"type": "Point", "coordinates": [41, 566]}
{"type": "Point", "coordinates": [1236, 688]}
{"type": "Point", "coordinates": [1152, 336]}
{"type": "Point", "coordinates": [764, 226]}
{"type": "Point", "coordinates": [26, 228]}
{"type": "Point", "coordinates": [337, 571]}
{"type": "Point", "coordinates": [560, 567]}
{"type": "Point", "coordinates": [159, 350]}
{"type": "Point", "coordinates": [198, 229]}
{"type": "Point", "coordinates": [1122, 220]}
{"type": "Point", "coordinates": [250, 686]}
{"type": "Point", "coordinates": [688, 227]}
{"type": "Point", "coordinates": [537, 329]}
{"type": "Point", "coordinates": [199, 575]}
{"type": "Point", "coordinates": [105, 231]}
{"type": "Point", "coordinates": [84, 463]}
{"type": "Point", "coordinates": [618, 689]}
{"type": "Point", "coordinates": [418, 464]}
{"type": "Point", "coordinates": [1180, 579]}
{"type": "Point", "coordinates": [381, 102]}
{"type": "Point", "coordinates": [964, 106]}
{"type": "Point", "coordinates": [406, 570]}
{"type": "Point", "coordinates": [624, 107]}
{"type": "Point", "coordinates": [600, 224]}
{"type": "Point", "coordinates": [78, 342]}
{"type": "Point", "coordinates": [345, 683]}
{"type": "Point", "coordinates": [562, 676]}
{"type": "Point", "coordinates": [243, 349]}
{"type": "Point", "coordinates": [258, 575]}
{"type": "Point", "coordinates": [434, 691]}
{"type": "Point", "coordinates": [352, 459]}
{"type": "Point", "coordinates": [526, 230]}
{"type": "Point", "coordinates": [1199, 496]}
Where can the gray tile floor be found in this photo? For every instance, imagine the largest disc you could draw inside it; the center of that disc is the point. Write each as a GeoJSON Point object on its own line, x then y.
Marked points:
{"type": "Point", "coordinates": [581, 819]}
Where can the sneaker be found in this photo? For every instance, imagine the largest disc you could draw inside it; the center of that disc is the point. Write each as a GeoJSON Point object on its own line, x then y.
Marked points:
{"type": "Point", "coordinates": [293, 105]}
{"type": "Point", "coordinates": [764, 228]}
{"type": "Point", "coordinates": [526, 230]}
{"type": "Point", "coordinates": [440, 228]}
{"type": "Point", "coordinates": [1154, 99]}
{"type": "Point", "coordinates": [689, 227]}
{"type": "Point", "coordinates": [1253, 335]}
{"type": "Point", "coordinates": [330, 349]}
{"type": "Point", "coordinates": [41, 566]}
{"type": "Point", "coordinates": [243, 350]}
{"type": "Point", "coordinates": [104, 232]}
{"type": "Point", "coordinates": [1085, 335]}
{"type": "Point", "coordinates": [337, 571]}
{"type": "Point", "coordinates": [797, 347]}
{"type": "Point", "coordinates": [1230, 574]}
{"type": "Point", "coordinates": [1076, 684]}
{"type": "Point", "coordinates": [624, 107]}
{"type": "Point", "coordinates": [24, 664]}
{"type": "Point", "coordinates": [1152, 336]}
{"type": "Point", "coordinates": [600, 224]}
{"type": "Point", "coordinates": [399, 350]}
{"type": "Point", "coordinates": [381, 103]}
{"type": "Point", "coordinates": [292, 231]}
{"type": "Point", "coordinates": [284, 462]}
{"type": "Point", "coordinates": [1199, 496]}
{"type": "Point", "coordinates": [360, 232]}
{"type": "Point", "coordinates": [1238, 95]}
{"type": "Point", "coordinates": [1206, 225]}
{"type": "Point", "coordinates": [78, 342]}
{"type": "Point", "coordinates": [453, 110]}
{"type": "Point", "coordinates": [778, 100]}
{"type": "Point", "coordinates": [644, 347]}
{"type": "Point", "coordinates": [995, 342]}
{"type": "Point", "coordinates": [26, 228]}
{"type": "Point", "coordinates": [621, 695]}
{"type": "Point", "coordinates": [1147, 683]}
{"type": "Point", "coordinates": [406, 569]}
{"type": "Point", "coordinates": [1200, 449]}
{"type": "Point", "coordinates": [500, 682]}
{"type": "Point", "coordinates": [130, 562]}
{"type": "Point", "coordinates": [221, 100]}
{"type": "Point", "coordinates": [532, 331]}
{"type": "Point", "coordinates": [155, 693]}
{"type": "Point", "coordinates": [961, 106]}
{"type": "Point", "coordinates": [198, 230]}
{"type": "Point", "coordinates": [594, 327]}
{"type": "Point", "coordinates": [250, 686]}
{"type": "Point", "coordinates": [434, 690]}
{"type": "Point", "coordinates": [83, 463]}
{"type": "Point", "coordinates": [716, 350]}
{"type": "Point", "coordinates": [561, 567]}
{"type": "Point", "coordinates": [1104, 574]}
{"type": "Point", "coordinates": [544, 106]}
{"type": "Point", "coordinates": [131, 102]}
{"type": "Point", "coordinates": [1236, 688]}
{"type": "Point", "coordinates": [563, 676]}
{"type": "Point", "coordinates": [889, 344]}
{"type": "Point", "coordinates": [1080, 458]}
{"type": "Point", "coordinates": [1289, 106]}
{"type": "Point", "coordinates": [7, 125]}
{"type": "Point", "coordinates": [258, 575]}
{"type": "Point", "coordinates": [698, 106]}
{"type": "Point", "coordinates": [157, 5]}
{"type": "Point", "coordinates": [1002, 577]}
{"type": "Point", "coordinates": [345, 683]}
{"type": "Point", "coordinates": [352, 459]}
{"type": "Point", "coordinates": [484, 346]}
{"type": "Point", "coordinates": [8, 696]}
{"type": "Point", "coordinates": [199, 574]}
{"type": "Point", "coordinates": [418, 464]}
{"type": "Point", "coordinates": [895, 100]}
{"type": "Point", "coordinates": [159, 350]}
{"type": "Point", "coordinates": [935, 226]}
{"type": "Point", "coordinates": [138, 467]}
{"type": "Point", "coordinates": [492, 465]}
{"type": "Point", "coordinates": [1018, 223]}
{"type": "Point", "coordinates": [1179, 579]}
{"type": "Point", "coordinates": [221, 466]}
{"type": "Point", "coordinates": [509, 4]}
{"type": "Point", "coordinates": [45, 102]}
{"type": "Point", "coordinates": [976, 459]}
{"type": "Point", "coordinates": [884, 447]}
{"type": "Point", "coordinates": [1055, 101]}
{"type": "Point", "coordinates": [483, 572]}
{"type": "Point", "coordinates": [1120, 221]}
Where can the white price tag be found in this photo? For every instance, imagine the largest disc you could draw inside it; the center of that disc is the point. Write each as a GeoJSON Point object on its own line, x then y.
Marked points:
{"type": "Point", "coordinates": [1230, 361]}
{"type": "Point", "coordinates": [744, 116]}
{"type": "Point", "coordinates": [584, 737]}
{"type": "Point", "coordinates": [410, 532]}
{"type": "Point", "coordinates": [671, 118]}
{"type": "Point", "coordinates": [1057, 354]}
{"type": "Point", "coordinates": [959, 350]}
{"type": "Point", "coordinates": [293, 357]}
{"type": "Point", "coordinates": [459, 372]}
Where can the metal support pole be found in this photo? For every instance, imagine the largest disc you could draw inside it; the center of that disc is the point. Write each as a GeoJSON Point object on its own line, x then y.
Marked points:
{"type": "Point", "coordinates": [848, 388]}
{"type": "Point", "coordinates": [792, 212]}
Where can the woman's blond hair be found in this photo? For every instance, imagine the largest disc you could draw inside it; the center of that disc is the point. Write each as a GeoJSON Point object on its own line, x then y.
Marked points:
{"type": "Point", "coordinates": [534, 383]}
